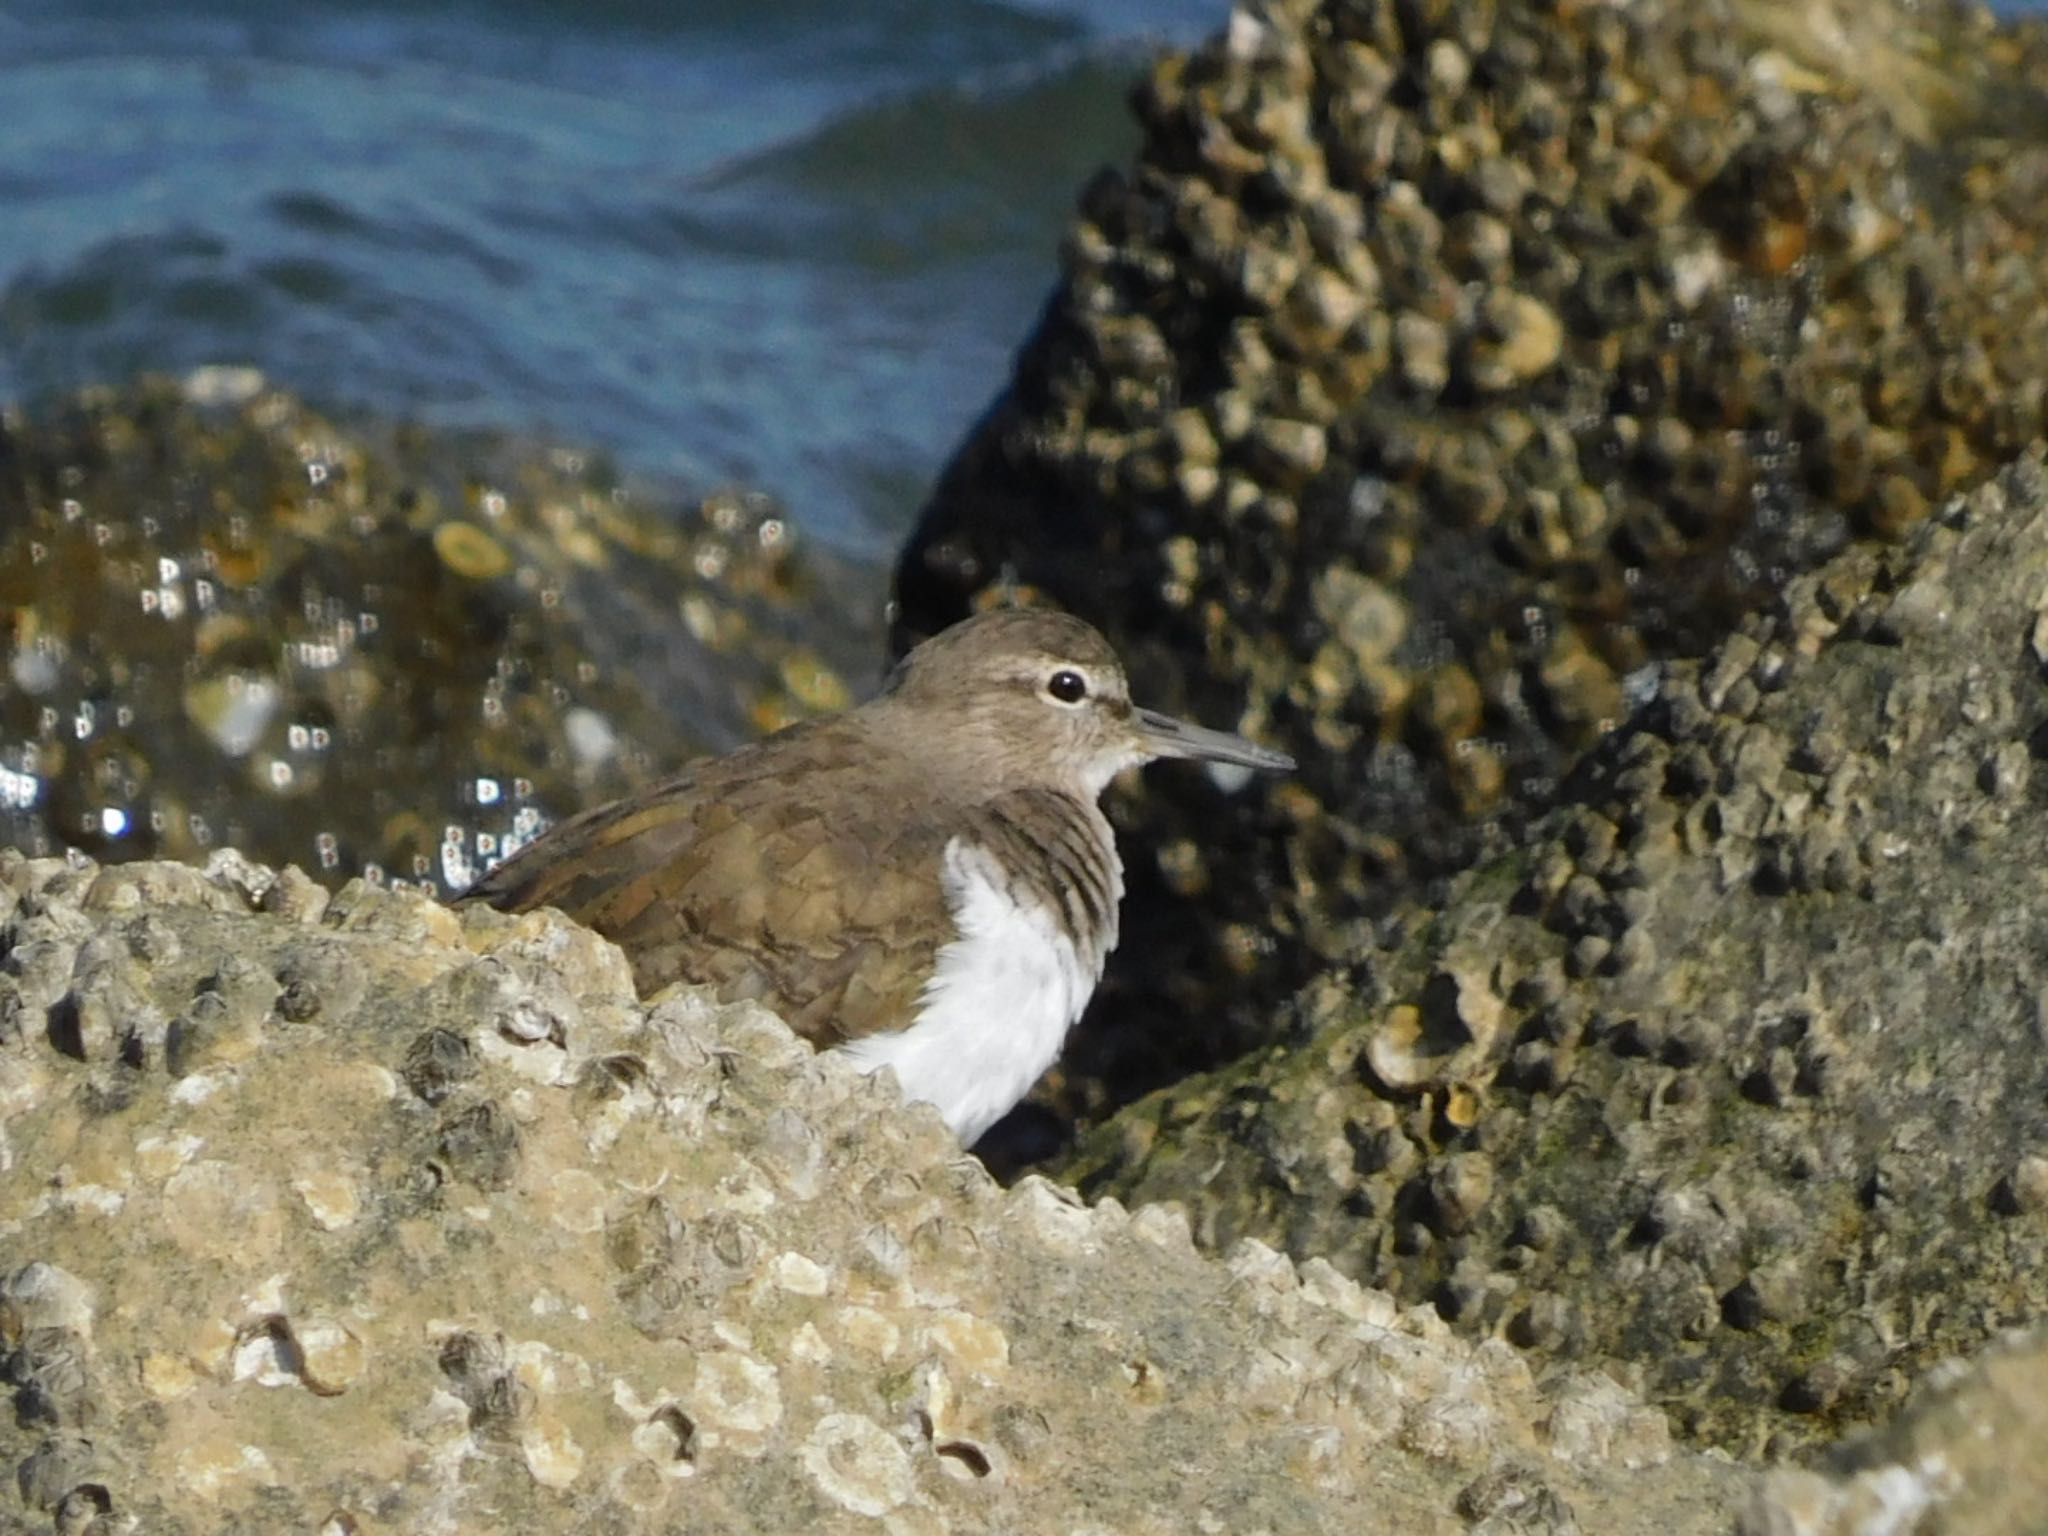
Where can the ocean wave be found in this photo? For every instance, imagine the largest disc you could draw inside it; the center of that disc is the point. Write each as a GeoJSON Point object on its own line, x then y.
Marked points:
{"type": "Point", "coordinates": [790, 244]}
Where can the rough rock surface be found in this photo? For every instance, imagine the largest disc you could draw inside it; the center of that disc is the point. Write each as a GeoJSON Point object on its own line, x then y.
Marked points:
{"type": "Point", "coordinates": [354, 1215]}
{"type": "Point", "coordinates": [226, 620]}
{"type": "Point", "coordinates": [1965, 1460]}
{"type": "Point", "coordinates": [1735, 1069]}
{"type": "Point", "coordinates": [1438, 366]}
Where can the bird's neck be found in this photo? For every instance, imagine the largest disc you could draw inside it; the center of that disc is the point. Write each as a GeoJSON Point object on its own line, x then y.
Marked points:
{"type": "Point", "coordinates": [969, 759]}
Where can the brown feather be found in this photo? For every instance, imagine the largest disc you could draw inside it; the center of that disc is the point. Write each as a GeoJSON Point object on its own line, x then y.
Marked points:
{"type": "Point", "coordinates": [728, 874]}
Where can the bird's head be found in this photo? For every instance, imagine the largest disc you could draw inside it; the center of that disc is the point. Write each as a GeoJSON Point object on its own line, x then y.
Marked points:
{"type": "Point", "coordinates": [1039, 697]}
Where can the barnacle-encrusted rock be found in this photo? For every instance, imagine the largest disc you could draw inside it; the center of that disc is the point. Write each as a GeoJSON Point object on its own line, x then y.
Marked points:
{"type": "Point", "coordinates": [435, 1228]}
{"type": "Point", "coordinates": [1491, 352]}
{"type": "Point", "coordinates": [1964, 1460]}
{"type": "Point", "coordinates": [238, 623]}
{"type": "Point", "coordinates": [1762, 1108]}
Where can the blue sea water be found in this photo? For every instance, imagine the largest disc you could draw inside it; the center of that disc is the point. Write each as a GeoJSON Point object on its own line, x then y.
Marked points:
{"type": "Point", "coordinates": [785, 243]}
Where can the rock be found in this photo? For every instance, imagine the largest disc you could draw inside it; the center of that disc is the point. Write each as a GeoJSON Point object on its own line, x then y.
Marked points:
{"type": "Point", "coordinates": [393, 651]}
{"type": "Point", "coordinates": [1961, 1461]}
{"type": "Point", "coordinates": [1787, 1158]}
{"type": "Point", "coordinates": [1575, 332]}
{"type": "Point", "coordinates": [480, 1242]}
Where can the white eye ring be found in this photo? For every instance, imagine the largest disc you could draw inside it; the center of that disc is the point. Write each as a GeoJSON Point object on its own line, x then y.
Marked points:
{"type": "Point", "coordinates": [1067, 687]}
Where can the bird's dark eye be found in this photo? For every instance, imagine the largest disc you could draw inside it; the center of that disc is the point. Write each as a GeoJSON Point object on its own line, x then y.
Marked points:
{"type": "Point", "coordinates": [1068, 686]}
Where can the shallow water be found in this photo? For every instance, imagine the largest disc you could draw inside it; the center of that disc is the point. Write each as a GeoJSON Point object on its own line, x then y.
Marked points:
{"type": "Point", "coordinates": [791, 244]}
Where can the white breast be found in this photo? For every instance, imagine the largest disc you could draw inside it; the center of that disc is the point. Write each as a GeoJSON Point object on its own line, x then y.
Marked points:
{"type": "Point", "coordinates": [1000, 1002]}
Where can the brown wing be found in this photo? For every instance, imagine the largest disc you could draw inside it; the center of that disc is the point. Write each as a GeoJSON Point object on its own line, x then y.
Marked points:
{"type": "Point", "coordinates": [767, 874]}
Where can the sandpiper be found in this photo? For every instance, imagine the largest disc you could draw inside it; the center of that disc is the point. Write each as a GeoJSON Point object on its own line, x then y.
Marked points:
{"type": "Point", "coordinates": [924, 883]}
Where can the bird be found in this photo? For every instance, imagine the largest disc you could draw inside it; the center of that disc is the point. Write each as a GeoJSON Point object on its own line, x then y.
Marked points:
{"type": "Point", "coordinates": [925, 882]}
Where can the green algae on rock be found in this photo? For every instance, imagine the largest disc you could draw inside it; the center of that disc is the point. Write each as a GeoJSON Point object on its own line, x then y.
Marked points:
{"type": "Point", "coordinates": [360, 1214]}
{"type": "Point", "coordinates": [1732, 1072]}
{"type": "Point", "coordinates": [230, 621]}
{"type": "Point", "coordinates": [1438, 368]}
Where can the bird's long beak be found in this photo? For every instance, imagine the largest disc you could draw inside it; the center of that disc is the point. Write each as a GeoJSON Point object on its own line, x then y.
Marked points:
{"type": "Point", "coordinates": [1164, 736]}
